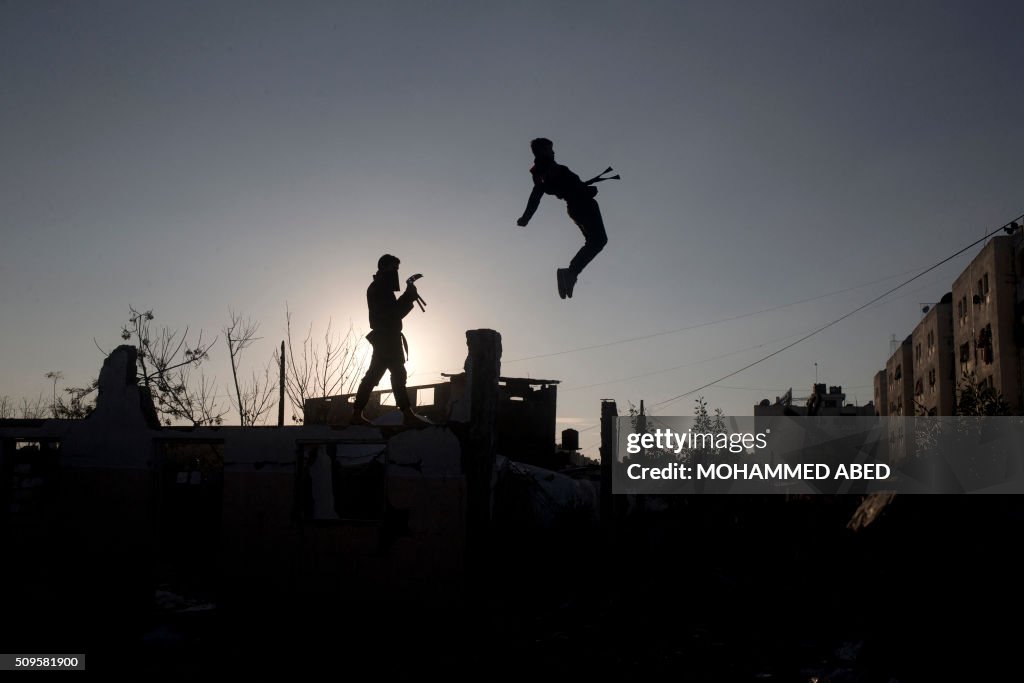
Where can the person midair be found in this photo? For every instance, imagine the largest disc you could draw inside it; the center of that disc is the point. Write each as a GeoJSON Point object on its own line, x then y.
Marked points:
{"type": "Point", "coordinates": [555, 179]}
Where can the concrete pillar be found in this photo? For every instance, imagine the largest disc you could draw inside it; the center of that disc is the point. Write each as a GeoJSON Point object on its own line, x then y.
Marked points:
{"type": "Point", "coordinates": [483, 367]}
{"type": "Point", "coordinates": [609, 416]}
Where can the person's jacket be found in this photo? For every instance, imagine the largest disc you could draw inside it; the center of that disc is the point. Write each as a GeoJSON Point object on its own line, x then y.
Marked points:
{"type": "Point", "coordinates": [558, 180]}
{"type": "Point", "coordinates": [387, 310]}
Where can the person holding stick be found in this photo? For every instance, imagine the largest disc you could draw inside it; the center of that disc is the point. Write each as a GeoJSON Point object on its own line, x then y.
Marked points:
{"type": "Point", "coordinates": [390, 347]}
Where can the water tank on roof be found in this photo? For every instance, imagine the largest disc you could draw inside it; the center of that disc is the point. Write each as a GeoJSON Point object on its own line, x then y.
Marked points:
{"type": "Point", "coordinates": [570, 440]}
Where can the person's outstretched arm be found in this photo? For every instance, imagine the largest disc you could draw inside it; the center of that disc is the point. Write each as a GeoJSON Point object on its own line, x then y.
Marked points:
{"type": "Point", "coordinates": [531, 206]}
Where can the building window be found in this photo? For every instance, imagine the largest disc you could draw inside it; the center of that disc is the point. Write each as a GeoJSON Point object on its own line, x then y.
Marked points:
{"type": "Point", "coordinates": [189, 507]}
{"type": "Point", "coordinates": [29, 470]}
{"type": "Point", "coordinates": [965, 352]}
{"type": "Point", "coordinates": [931, 377]}
{"type": "Point", "coordinates": [917, 352]}
{"type": "Point", "coordinates": [918, 388]}
{"type": "Point", "coordinates": [342, 483]}
{"type": "Point", "coordinates": [985, 345]}
{"type": "Point", "coordinates": [984, 288]}
{"type": "Point", "coordinates": [899, 372]}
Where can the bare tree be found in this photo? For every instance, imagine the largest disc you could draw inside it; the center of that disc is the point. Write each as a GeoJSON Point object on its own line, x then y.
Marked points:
{"type": "Point", "coordinates": [314, 371]}
{"type": "Point", "coordinates": [34, 409]}
{"type": "Point", "coordinates": [75, 406]}
{"type": "Point", "coordinates": [55, 376]}
{"type": "Point", "coordinates": [205, 391]}
{"type": "Point", "coordinates": [252, 400]}
{"type": "Point", "coordinates": [166, 360]}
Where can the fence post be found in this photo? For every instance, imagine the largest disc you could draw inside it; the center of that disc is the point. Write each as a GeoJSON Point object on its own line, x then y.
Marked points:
{"type": "Point", "coordinates": [280, 399]}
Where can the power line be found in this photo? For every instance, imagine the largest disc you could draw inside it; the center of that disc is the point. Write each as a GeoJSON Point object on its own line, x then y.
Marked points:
{"type": "Point", "coordinates": [732, 353]}
{"type": "Point", "coordinates": [440, 373]}
{"type": "Point", "coordinates": [724, 386]}
{"type": "Point", "coordinates": [706, 323]}
{"type": "Point", "coordinates": [705, 360]}
{"type": "Point", "coordinates": [1009, 227]}
{"type": "Point", "coordinates": [684, 365]}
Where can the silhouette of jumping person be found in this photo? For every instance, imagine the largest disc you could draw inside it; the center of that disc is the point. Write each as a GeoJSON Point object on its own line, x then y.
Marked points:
{"type": "Point", "coordinates": [389, 344]}
{"type": "Point", "coordinates": [557, 180]}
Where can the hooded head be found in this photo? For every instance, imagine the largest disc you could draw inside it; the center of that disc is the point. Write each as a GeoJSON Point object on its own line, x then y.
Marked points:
{"type": "Point", "coordinates": [543, 149]}
{"type": "Point", "coordinates": [387, 270]}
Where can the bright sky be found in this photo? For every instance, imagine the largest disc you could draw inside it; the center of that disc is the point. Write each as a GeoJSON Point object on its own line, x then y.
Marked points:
{"type": "Point", "coordinates": [192, 157]}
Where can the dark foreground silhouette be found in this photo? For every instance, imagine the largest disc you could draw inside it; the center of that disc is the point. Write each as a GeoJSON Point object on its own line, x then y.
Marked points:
{"type": "Point", "coordinates": [712, 588]}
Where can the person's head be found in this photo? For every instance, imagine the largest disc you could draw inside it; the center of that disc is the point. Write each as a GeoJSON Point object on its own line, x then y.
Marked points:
{"type": "Point", "coordinates": [542, 148]}
{"type": "Point", "coordinates": [387, 267]}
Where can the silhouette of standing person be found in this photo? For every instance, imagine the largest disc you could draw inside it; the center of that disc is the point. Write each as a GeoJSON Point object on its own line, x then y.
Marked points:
{"type": "Point", "coordinates": [813, 402]}
{"type": "Point", "coordinates": [389, 344]}
{"type": "Point", "coordinates": [555, 179]}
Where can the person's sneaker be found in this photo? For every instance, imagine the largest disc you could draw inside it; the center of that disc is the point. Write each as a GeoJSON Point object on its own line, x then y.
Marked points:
{"type": "Point", "coordinates": [412, 419]}
{"type": "Point", "coordinates": [570, 282]}
{"type": "Point", "coordinates": [560, 274]}
{"type": "Point", "coordinates": [358, 419]}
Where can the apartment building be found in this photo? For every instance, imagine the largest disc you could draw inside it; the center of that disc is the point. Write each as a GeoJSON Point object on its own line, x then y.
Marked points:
{"type": "Point", "coordinates": [934, 367]}
{"type": "Point", "coordinates": [899, 373]}
{"type": "Point", "coordinates": [881, 393]}
{"type": "Point", "coordinates": [984, 302]}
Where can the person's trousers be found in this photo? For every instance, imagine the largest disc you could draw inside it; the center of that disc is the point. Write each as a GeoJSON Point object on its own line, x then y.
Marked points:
{"type": "Point", "coordinates": [587, 215]}
{"type": "Point", "coordinates": [388, 355]}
